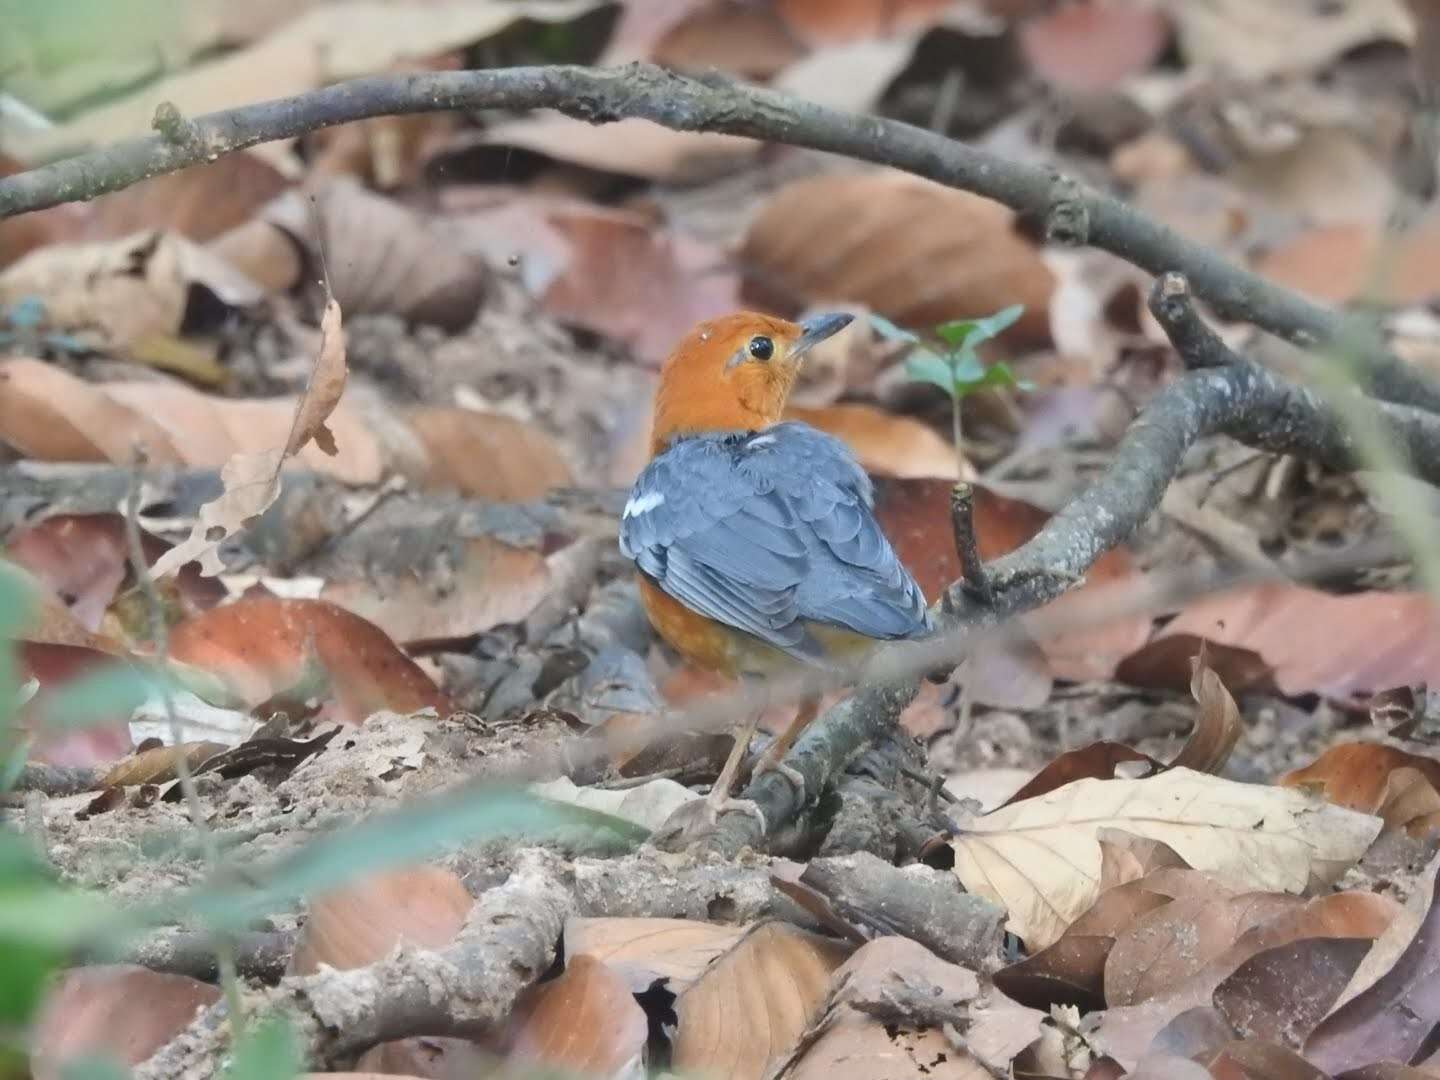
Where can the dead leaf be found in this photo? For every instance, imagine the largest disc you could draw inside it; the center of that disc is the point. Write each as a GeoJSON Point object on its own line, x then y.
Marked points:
{"type": "Point", "coordinates": [629, 147]}
{"type": "Point", "coordinates": [1218, 725]}
{"type": "Point", "coordinates": [649, 805]}
{"type": "Point", "coordinates": [264, 647]}
{"type": "Point", "coordinates": [698, 35]}
{"type": "Point", "coordinates": [1127, 857]}
{"type": "Point", "coordinates": [251, 485]}
{"type": "Point", "coordinates": [1041, 858]}
{"type": "Point", "coordinates": [831, 21]}
{"type": "Point", "coordinates": [752, 1004]}
{"type": "Point", "coordinates": [1351, 251]}
{"type": "Point", "coordinates": [851, 76]}
{"type": "Point", "coordinates": [644, 950]}
{"type": "Point", "coordinates": [322, 392]}
{"type": "Point", "coordinates": [121, 1010]}
{"type": "Point", "coordinates": [585, 1023]}
{"type": "Point", "coordinates": [1093, 45]}
{"type": "Point", "coordinates": [487, 455]}
{"type": "Point", "coordinates": [1251, 1059]}
{"type": "Point", "coordinates": [1410, 802]}
{"type": "Point", "coordinates": [363, 922]}
{"type": "Point", "coordinates": [160, 764]}
{"type": "Point", "coordinates": [915, 515]}
{"type": "Point", "coordinates": [612, 272]}
{"type": "Point", "coordinates": [1390, 1019]}
{"type": "Point", "coordinates": [1313, 641]}
{"type": "Point", "coordinates": [1358, 775]}
{"type": "Point", "coordinates": [914, 251]}
{"type": "Point", "coordinates": [1252, 41]}
{"type": "Point", "coordinates": [1097, 761]}
{"type": "Point", "coordinates": [1281, 994]}
{"type": "Point", "coordinates": [884, 443]}
{"type": "Point", "coordinates": [105, 737]}
{"type": "Point", "coordinates": [381, 257]}
{"type": "Point", "coordinates": [122, 293]}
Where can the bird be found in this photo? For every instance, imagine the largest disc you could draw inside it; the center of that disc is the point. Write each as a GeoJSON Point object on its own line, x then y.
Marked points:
{"type": "Point", "coordinates": [754, 538]}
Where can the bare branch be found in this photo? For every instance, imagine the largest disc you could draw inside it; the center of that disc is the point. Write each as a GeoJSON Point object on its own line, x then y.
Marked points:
{"type": "Point", "coordinates": [1072, 213]}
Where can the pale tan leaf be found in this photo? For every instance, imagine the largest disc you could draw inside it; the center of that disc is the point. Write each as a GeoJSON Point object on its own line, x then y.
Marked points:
{"type": "Point", "coordinates": [752, 1004]}
{"type": "Point", "coordinates": [327, 383]}
{"type": "Point", "coordinates": [643, 950]}
{"type": "Point", "coordinates": [1127, 857]}
{"type": "Point", "coordinates": [159, 764]}
{"type": "Point", "coordinates": [1041, 859]}
{"type": "Point", "coordinates": [251, 485]}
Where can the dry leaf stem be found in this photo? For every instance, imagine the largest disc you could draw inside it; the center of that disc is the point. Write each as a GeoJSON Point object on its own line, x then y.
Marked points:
{"type": "Point", "coordinates": [683, 103]}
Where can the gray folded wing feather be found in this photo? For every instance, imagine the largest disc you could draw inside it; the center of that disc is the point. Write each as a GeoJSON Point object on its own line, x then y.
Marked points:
{"type": "Point", "coordinates": [769, 533]}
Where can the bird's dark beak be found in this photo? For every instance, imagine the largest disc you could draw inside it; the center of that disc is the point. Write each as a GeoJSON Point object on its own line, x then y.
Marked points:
{"type": "Point", "coordinates": [817, 328]}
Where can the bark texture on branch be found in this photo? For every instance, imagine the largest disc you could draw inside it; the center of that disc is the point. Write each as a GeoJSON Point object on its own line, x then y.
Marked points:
{"type": "Point", "coordinates": [1072, 213]}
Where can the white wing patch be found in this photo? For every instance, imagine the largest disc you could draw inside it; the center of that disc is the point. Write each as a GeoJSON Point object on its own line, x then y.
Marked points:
{"type": "Point", "coordinates": [643, 504]}
{"type": "Point", "coordinates": [762, 440]}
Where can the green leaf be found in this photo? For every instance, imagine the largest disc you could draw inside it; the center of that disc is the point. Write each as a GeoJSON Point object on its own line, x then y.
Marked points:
{"type": "Point", "coordinates": [994, 325]}
{"type": "Point", "coordinates": [927, 367]}
{"type": "Point", "coordinates": [969, 371]}
{"type": "Point", "coordinates": [268, 1050]}
{"type": "Point", "coordinates": [17, 596]}
{"type": "Point", "coordinates": [887, 329]}
{"type": "Point", "coordinates": [956, 332]}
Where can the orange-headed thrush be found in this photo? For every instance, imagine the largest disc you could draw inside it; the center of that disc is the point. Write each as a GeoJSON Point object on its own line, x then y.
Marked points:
{"type": "Point", "coordinates": [756, 542]}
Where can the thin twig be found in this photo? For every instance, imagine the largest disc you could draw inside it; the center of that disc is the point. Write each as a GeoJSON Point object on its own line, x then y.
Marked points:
{"type": "Point", "coordinates": [603, 95]}
{"type": "Point", "coordinates": [962, 524]}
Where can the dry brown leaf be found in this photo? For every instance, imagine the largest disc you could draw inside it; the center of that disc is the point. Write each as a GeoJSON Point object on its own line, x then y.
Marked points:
{"type": "Point", "coordinates": [1218, 725]}
{"type": "Point", "coordinates": [585, 1023]}
{"type": "Point", "coordinates": [487, 455]}
{"type": "Point", "coordinates": [852, 76]}
{"type": "Point", "coordinates": [381, 257]}
{"type": "Point", "coordinates": [914, 251]}
{"type": "Point", "coordinates": [1410, 802]}
{"type": "Point", "coordinates": [1127, 857]}
{"type": "Point", "coordinates": [322, 393]}
{"type": "Point", "coordinates": [160, 764]}
{"type": "Point", "coordinates": [1093, 45]}
{"type": "Point", "coordinates": [122, 293]}
{"type": "Point", "coordinates": [749, 1008]}
{"type": "Point", "coordinates": [116, 1009]}
{"type": "Point", "coordinates": [1358, 775]}
{"type": "Point", "coordinates": [1281, 994]}
{"type": "Point", "coordinates": [1314, 642]}
{"type": "Point", "coordinates": [831, 21]}
{"type": "Point", "coordinates": [362, 922]}
{"type": "Point", "coordinates": [855, 1047]}
{"type": "Point", "coordinates": [1336, 263]}
{"type": "Point", "coordinates": [613, 272]}
{"type": "Point", "coordinates": [264, 647]}
{"type": "Point", "coordinates": [644, 950]}
{"type": "Point", "coordinates": [884, 443]}
{"type": "Point", "coordinates": [1097, 761]}
{"type": "Point", "coordinates": [106, 737]}
{"type": "Point", "coordinates": [1041, 858]}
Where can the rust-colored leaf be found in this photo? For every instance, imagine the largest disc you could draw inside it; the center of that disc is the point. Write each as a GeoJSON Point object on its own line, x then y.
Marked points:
{"type": "Point", "coordinates": [752, 1004]}
{"type": "Point", "coordinates": [1332, 263]}
{"type": "Point", "coordinates": [643, 950]}
{"type": "Point", "coordinates": [832, 21]}
{"type": "Point", "coordinates": [264, 647]}
{"type": "Point", "coordinates": [584, 1023]}
{"type": "Point", "coordinates": [362, 922]}
{"type": "Point", "coordinates": [1357, 774]}
{"type": "Point", "coordinates": [914, 251]}
{"type": "Point", "coordinates": [121, 1010]}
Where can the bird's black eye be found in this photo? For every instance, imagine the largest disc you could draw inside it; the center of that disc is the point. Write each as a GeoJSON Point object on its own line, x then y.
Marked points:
{"type": "Point", "coordinates": [761, 347]}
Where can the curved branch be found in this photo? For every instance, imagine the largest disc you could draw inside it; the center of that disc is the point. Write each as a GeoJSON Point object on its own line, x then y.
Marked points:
{"type": "Point", "coordinates": [601, 95]}
{"type": "Point", "coordinates": [1224, 394]}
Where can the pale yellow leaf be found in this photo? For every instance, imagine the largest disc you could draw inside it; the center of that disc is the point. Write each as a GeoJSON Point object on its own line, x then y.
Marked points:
{"type": "Point", "coordinates": [1041, 857]}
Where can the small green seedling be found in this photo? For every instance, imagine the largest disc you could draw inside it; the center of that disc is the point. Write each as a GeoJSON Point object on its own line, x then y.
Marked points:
{"type": "Point", "coordinates": [951, 362]}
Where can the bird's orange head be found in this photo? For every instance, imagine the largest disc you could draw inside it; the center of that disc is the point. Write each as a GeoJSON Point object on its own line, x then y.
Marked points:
{"type": "Point", "coordinates": [734, 373]}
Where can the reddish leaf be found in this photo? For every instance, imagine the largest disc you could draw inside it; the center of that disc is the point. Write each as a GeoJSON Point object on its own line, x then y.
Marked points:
{"type": "Point", "coordinates": [264, 647]}
{"type": "Point", "coordinates": [584, 1023]}
{"type": "Point", "coordinates": [104, 739]}
{"type": "Point", "coordinates": [1096, 761]}
{"type": "Point", "coordinates": [1355, 775]}
{"type": "Point", "coordinates": [1094, 44]}
{"type": "Point", "coordinates": [1280, 994]}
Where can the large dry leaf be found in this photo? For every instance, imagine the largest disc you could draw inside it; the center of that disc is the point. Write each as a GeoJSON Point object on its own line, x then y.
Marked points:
{"type": "Point", "coordinates": [1358, 775]}
{"type": "Point", "coordinates": [122, 293]}
{"type": "Point", "coordinates": [830, 21]}
{"type": "Point", "coordinates": [752, 1004]}
{"type": "Point", "coordinates": [630, 147]}
{"type": "Point", "coordinates": [1281, 994]}
{"type": "Point", "coordinates": [1041, 858]}
{"type": "Point", "coordinates": [328, 43]}
{"type": "Point", "coordinates": [885, 444]}
{"type": "Point", "coordinates": [585, 1023]}
{"type": "Point", "coordinates": [120, 1010]}
{"type": "Point", "coordinates": [1252, 41]}
{"type": "Point", "coordinates": [382, 257]}
{"type": "Point", "coordinates": [915, 515]}
{"type": "Point", "coordinates": [1314, 642]}
{"type": "Point", "coordinates": [644, 950]}
{"type": "Point", "coordinates": [1093, 45]}
{"type": "Point", "coordinates": [912, 250]}
{"type": "Point", "coordinates": [610, 271]}
{"type": "Point", "coordinates": [487, 455]}
{"type": "Point", "coordinates": [363, 922]}
{"type": "Point", "coordinates": [1337, 263]}
{"type": "Point", "coordinates": [264, 647]}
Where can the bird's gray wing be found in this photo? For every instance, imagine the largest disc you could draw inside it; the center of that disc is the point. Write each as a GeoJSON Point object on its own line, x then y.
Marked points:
{"type": "Point", "coordinates": [769, 532]}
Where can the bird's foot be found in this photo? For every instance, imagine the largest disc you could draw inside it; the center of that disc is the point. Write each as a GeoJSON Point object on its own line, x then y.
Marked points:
{"type": "Point", "coordinates": [693, 821]}
{"type": "Point", "coordinates": [769, 764]}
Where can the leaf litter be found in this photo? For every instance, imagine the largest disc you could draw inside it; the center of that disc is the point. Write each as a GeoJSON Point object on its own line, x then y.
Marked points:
{"type": "Point", "coordinates": [406, 526]}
